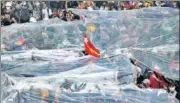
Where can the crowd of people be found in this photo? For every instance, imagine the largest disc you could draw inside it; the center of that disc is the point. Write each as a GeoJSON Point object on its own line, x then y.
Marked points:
{"type": "Point", "coordinates": [32, 11]}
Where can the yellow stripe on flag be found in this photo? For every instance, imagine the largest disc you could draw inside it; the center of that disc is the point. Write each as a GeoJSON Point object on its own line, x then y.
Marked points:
{"type": "Point", "coordinates": [93, 51]}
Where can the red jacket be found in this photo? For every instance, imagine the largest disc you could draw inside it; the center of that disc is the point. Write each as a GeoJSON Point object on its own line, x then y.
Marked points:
{"type": "Point", "coordinates": [154, 83]}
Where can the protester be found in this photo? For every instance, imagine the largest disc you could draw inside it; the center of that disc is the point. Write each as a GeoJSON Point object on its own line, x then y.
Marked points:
{"type": "Point", "coordinates": [46, 12]}
{"type": "Point", "coordinates": [7, 19]}
{"type": "Point", "coordinates": [22, 12]}
{"type": "Point", "coordinates": [36, 13]}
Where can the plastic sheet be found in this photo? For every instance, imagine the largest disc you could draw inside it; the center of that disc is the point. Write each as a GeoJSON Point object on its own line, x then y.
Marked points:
{"type": "Point", "coordinates": [141, 36]}
{"type": "Point", "coordinates": [60, 73]}
{"type": "Point", "coordinates": [38, 94]}
{"type": "Point", "coordinates": [163, 59]}
{"type": "Point", "coordinates": [31, 64]}
{"type": "Point", "coordinates": [144, 13]}
{"type": "Point", "coordinates": [133, 32]}
{"type": "Point", "coordinates": [42, 35]}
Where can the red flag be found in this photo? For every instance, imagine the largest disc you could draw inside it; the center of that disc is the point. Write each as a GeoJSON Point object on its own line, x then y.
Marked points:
{"type": "Point", "coordinates": [90, 48]}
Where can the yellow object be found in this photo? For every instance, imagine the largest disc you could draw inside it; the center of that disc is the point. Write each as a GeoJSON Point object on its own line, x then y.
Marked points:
{"type": "Point", "coordinates": [92, 28]}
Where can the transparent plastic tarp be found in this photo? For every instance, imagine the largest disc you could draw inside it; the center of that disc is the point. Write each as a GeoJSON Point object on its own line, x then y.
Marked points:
{"type": "Point", "coordinates": [138, 34]}
{"type": "Point", "coordinates": [133, 32]}
{"type": "Point", "coordinates": [42, 35]}
{"type": "Point", "coordinates": [80, 73]}
{"type": "Point", "coordinates": [164, 59]}
{"type": "Point", "coordinates": [152, 13]}
{"type": "Point", "coordinates": [47, 94]}
{"type": "Point", "coordinates": [43, 61]}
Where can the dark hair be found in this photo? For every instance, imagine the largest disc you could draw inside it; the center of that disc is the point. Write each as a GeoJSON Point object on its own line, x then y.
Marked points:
{"type": "Point", "coordinates": [149, 75]}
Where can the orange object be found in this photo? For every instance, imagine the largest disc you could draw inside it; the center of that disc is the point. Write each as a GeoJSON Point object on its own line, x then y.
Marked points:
{"type": "Point", "coordinates": [90, 48]}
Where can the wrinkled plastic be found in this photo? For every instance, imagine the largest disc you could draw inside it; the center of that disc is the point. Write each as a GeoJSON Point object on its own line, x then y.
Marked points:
{"type": "Point", "coordinates": [61, 73]}
{"type": "Point", "coordinates": [43, 35]}
{"type": "Point", "coordinates": [94, 94]}
{"type": "Point", "coordinates": [154, 13]}
{"type": "Point", "coordinates": [141, 36]}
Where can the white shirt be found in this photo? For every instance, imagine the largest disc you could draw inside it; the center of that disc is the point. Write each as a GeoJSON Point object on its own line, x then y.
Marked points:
{"type": "Point", "coordinates": [45, 13]}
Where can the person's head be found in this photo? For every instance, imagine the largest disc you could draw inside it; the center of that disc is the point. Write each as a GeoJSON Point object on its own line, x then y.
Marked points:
{"type": "Point", "coordinates": [150, 73]}
{"type": "Point", "coordinates": [68, 16]}
{"type": "Point", "coordinates": [44, 5]}
{"type": "Point", "coordinates": [8, 6]}
{"type": "Point", "coordinates": [61, 14]}
{"type": "Point", "coordinates": [71, 16]}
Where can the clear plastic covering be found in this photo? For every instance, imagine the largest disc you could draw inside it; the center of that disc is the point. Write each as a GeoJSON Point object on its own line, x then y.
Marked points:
{"type": "Point", "coordinates": [144, 13]}
{"type": "Point", "coordinates": [43, 62]}
{"type": "Point", "coordinates": [48, 35]}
